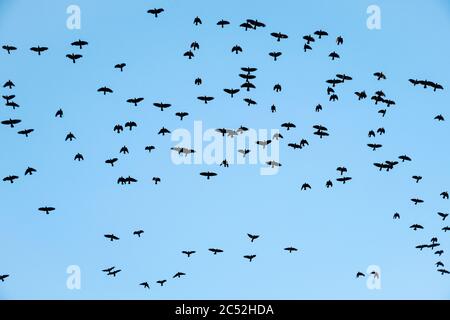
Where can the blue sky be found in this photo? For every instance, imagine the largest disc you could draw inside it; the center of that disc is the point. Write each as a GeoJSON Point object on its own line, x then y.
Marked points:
{"type": "Point", "coordinates": [338, 231]}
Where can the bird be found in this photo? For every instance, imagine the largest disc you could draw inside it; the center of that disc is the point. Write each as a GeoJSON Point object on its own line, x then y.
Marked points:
{"type": "Point", "coordinates": [135, 101]}
{"type": "Point", "coordinates": [309, 39]}
{"type": "Point", "coordinates": [208, 174]}
{"type": "Point", "coordinates": [341, 170]}
{"type": "Point", "coordinates": [252, 237]}
{"type": "Point", "coordinates": [9, 84]}
{"type": "Point", "coordinates": [381, 131]}
{"type": "Point", "coordinates": [138, 233]}
{"type": "Point", "coordinates": [231, 92]}
{"type": "Point", "coordinates": [205, 99]}
{"type": "Point", "coordinates": [39, 49]}
{"type": "Point", "coordinates": [329, 184]}
{"type": "Point", "coordinates": [439, 252]}
{"type": "Point", "coordinates": [417, 178]}
{"type": "Point", "coordinates": [288, 125]}
{"type": "Point", "coordinates": [248, 85]}
{"type": "Point", "coordinates": [161, 105]}
{"type": "Point", "coordinates": [443, 215]}
{"type": "Point", "coordinates": [321, 33]}
{"type": "Point", "coordinates": [120, 66]}
{"type": "Point", "coordinates": [149, 148]}
{"type": "Point", "coordinates": [10, 178]}
{"type": "Point", "coordinates": [244, 152]}
{"type": "Point", "coordinates": [145, 285]}
{"type": "Point", "coordinates": [306, 47]}
{"type": "Point", "coordinates": [256, 24]}
{"type": "Point", "coordinates": [250, 257]}
{"type": "Point", "coordinates": [78, 157]}
{"type": "Point", "coordinates": [105, 90]}
{"type": "Point", "coordinates": [380, 75]}
{"type": "Point", "coordinates": [250, 101]}
{"type": "Point", "coordinates": [25, 132]}
{"type": "Point", "coordinates": [108, 270]}
{"type": "Point", "coordinates": [361, 95]}
{"type": "Point", "coordinates": [279, 36]}
{"type": "Point", "coordinates": [3, 277]}
{"type": "Point", "coordinates": [111, 161]}
{"type": "Point", "coordinates": [264, 143]}
{"type": "Point", "coordinates": [79, 43]}
{"type": "Point", "coordinates": [275, 55]}
{"type": "Point", "coordinates": [130, 125]}
{"type": "Point", "coordinates": [155, 11]}
{"type": "Point", "coordinates": [439, 117]}
{"type": "Point", "coordinates": [333, 55]}
{"type": "Point", "coordinates": [189, 54]}
{"type": "Point", "coordinates": [439, 264]}
{"type": "Point", "coordinates": [305, 186]}
{"type": "Point", "coordinates": [236, 49]}
{"type": "Point", "coordinates": [396, 216]}
{"type": "Point", "coordinates": [181, 115]}
{"type": "Point", "coordinates": [444, 195]}
{"type": "Point", "coordinates": [291, 249]}
{"type": "Point", "coordinates": [195, 46]}
{"type": "Point", "coordinates": [404, 158]}
{"type": "Point", "coordinates": [118, 128]}
{"type": "Point", "coordinates": [197, 21]}
{"type": "Point", "coordinates": [339, 40]}
{"type": "Point", "coordinates": [70, 136]}
{"type": "Point", "coordinates": [111, 237]}
{"type": "Point", "coordinates": [188, 253]}
{"type": "Point", "coordinates": [29, 171]}
{"type": "Point", "coordinates": [156, 180]}
{"type": "Point", "coordinates": [416, 226]}
{"type": "Point", "coordinates": [124, 150]}
{"type": "Point", "coordinates": [445, 229]}
{"type": "Point", "coordinates": [277, 87]}
{"type": "Point", "coordinates": [161, 282]}
{"type": "Point", "coordinates": [360, 274]}
{"type": "Point", "coordinates": [222, 23]}
{"type": "Point", "coordinates": [343, 179]}
{"type": "Point", "coordinates": [9, 48]}
{"type": "Point", "coordinates": [374, 146]}
{"type": "Point", "coordinates": [215, 251]}
{"type": "Point", "coordinates": [74, 57]}
{"type": "Point", "coordinates": [443, 271]}
{"type": "Point", "coordinates": [114, 273]}
{"type": "Point", "coordinates": [277, 136]}
{"type": "Point", "coordinates": [178, 275]}
{"type": "Point", "coordinates": [11, 122]}
{"type": "Point", "coordinates": [163, 131]}
{"type": "Point", "coordinates": [59, 113]}
{"type": "Point", "coordinates": [417, 201]}
{"type": "Point", "coordinates": [47, 210]}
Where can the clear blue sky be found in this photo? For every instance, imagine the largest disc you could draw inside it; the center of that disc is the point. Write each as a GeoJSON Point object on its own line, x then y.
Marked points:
{"type": "Point", "coordinates": [338, 231]}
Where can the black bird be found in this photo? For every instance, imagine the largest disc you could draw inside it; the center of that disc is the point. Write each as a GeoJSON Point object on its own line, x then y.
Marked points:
{"type": "Point", "coordinates": [156, 180]}
{"type": "Point", "coordinates": [138, 233]}
{"type": "Point", "coordinates": [236, 49]}
{"type": "Point", "coordinates": [404, 158]}
{"type": "Point", "coordinates": [295, 146]}
{"type": "Point", "coordinates": [113, 273]}
{"type": "Point", "coordinates": [305, 186]}
{"type": "Point", "coordinates": [9, 84]}
{"type": "Point", "coordinates": [73, 56]}
{"type": "Point", "coordinates": [111, 237]}
{"type": "Point", "coordinates": [163, 131]}
{"type": "Point", "coordinates": [9, 48]}
{"type": "Point", "coordinates": [250, 257]}
{"type": "Point", "coordinates": [422, 246]}
{"type": "Point", "coordinates": [11, 122]}
{"type": "Point", "coordinates": [205, 99]}
{"type": "Point", "coordinates": [252, 237]}
{"type": "Point", "coordinates": [434, 240]}
{"type": "Point", "coordinates": [59, 113]}
{"type": "Point", "coordinates": [374, 146]}
{"type": "Point", "coordinates": [215, 251]}
{"type": "Point", "coordinates": [416, 226]}
{"type": "Point", "coordinates": [382, 112]}
{"type": "Point", "coordinates": [344, 77]}
{"type": "Point", "coordinates": [439, 252]}
{"type": "Point", "coordinates": [12, 104]}
{"type": "Point", "coordinates": [124, 150]}
{"type": "Point", "coordinates": [223, 23]}
{"type": "Point", "coordinates": [10, 178]}
{"type": "Point", "coordinates": [291, 249]}
{"type": "Point", "coordinates": [306, 47]}
{"type": "Point", "coordinates": [38, 49]}
{"type": "Point", "coordinates": [248, 85]}
{"type": "Point", "coordinates": [334, 97]}
{"type": "Point", "coordinates": [78, 157]}
{"type": "Point", "coordinates": [333, 55]}
{"type": "Point", "coordinates": [417, 178]}
{"type": "Point", "coordinates": [130, 125]}
{"type": "Point", "coordinates": [244, 152]}
{"type": "Point", "coordinates": [156, 11]}
{"type": "Point", "coordinates": [381, 131]}
{"type": "Point", "coordinates": [343, 179]}
{"type": "Point", "coordinates": [360, 274]}
{"type": "Point", "coordinates": [321, 33]}
{"type": "Point", "coordinates": [197, 21]}
{"type": "Point", "coordinates": [445, 229]}
{"type": "Point", "coordinates": [208, 174]}
{"type": "Point", "coordinates": [439, 264]}
{"type": "Point", "coordinates": [380, 75]}
{"type": "Point", "coordinates": [417, 201]}
{"type": "Point", "coordinates": [334, 82]}
{"type": "Point", "coordinates": [161, 282]}
{"type": "Point", "coordinates": [105, 90]}
{"type": "Point", "coordinates": [443, 215]}
{"type": "Point", "coordinates": [279, 36]}
{"type": "Point", "coordinates": [120, 66]}
{"type": "Point", "coordinates": [318, 108]}
{"type": "Point", "coordinates": [288, 125]}
{"type": "Point", "coordinates": [178, 275]}
{"type": "Point", "coordinates": [189, 54]}
{"type": "Point", "coordinates": [263, 143]}
{"type": "Point", "coordinates": [330, 90]}
{"type": "Point", "coordinates": [275, 55]}
{"type": "Point", "coordinates": [80, 43]}
{"type": "Point", "coordinates": [308, 39]}
{"type": "Point", "coordinates": [108, 270]}
{"type": "Point", "coordinates": [47, 210]}
{"type": "Point", "coordinates": [361, 95]}
{"type": "Point", "coordinates": [256, 23]}
{"type": "Point", "coordinates": [162, 106]}
{"type": "Point", "coordinates": [444, 195]}
{"type": "Point", "coordinates": [26, 132]}
{"type": "Point", "coordinates": [118, 128]}
{"type": "Point", "coordinates": [145, 285]}
{"type": "Point", "coordinates": [198, 81]}
{"type": "Point", "coordinates": [321, 134]}
{"type": "Point", "coordinates": [70, 136]}
{"type": "Point", "coordinates": [273, 108]}
{"type": "Point", "coordinates": [443, 271]}
{"type": "Point", "coordinates": [111, 161]}
{"type": "Point", "coordinates": [277, 136]}
{"type": "Point", "coordinates": [149, 148]}
{"type": "Point", "coordinates": [188, 253]}
{"type": "Point", "coordinates": [231, 92]}
{"type": "Point", "coordinates": [339, 40]}
{"type": "Point", "coordinates": [250, 101]}
{"type": "Point", "coordinates": [396, 216]}
{"type": "Point", "coordinates": [277, 87]}
{"type": "Point", "coordinates": [439, 117]}
{"type": "Point", "coordinates": [414, 81]}
{"type": "Point", "coordinates": [3, 277]}
{"type": "Point", "coordinates": [135, 101]}
{"type": "Point", "coordinates": [341, 170]}
{"type": "Point", "coordinates": [195, 46]}
{"type": "Point", "coordinates": [30, 171]}
{"type": "Point", "coordinates": [247, 76]}
{"type": "Point", "coordinates": [181, 115]}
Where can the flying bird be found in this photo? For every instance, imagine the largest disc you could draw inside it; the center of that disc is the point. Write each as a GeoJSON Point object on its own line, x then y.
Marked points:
{"type": "Point", "coordinates": [9, 48]}
{"type": "Point", "coordinates": [197, 21]}
{"type": "Point", "coordinates": [443, 215]}
{"type": "Point", "coordinates": [78, 157]}
{"type": "Point", "coordinates": [70, 136]}
{"type": "Point", "coordinates": [74, 57]}
{"type": "Point", "coordinates": [161, 282]}
{"type": "Point", "coordinates": [178, 275]}
{"type": "Point", "coordinates": [291, 249]}
{"type": "Point", "coordinates": [279, 36]}
{"type": "Point", "coordinates": [181, 115]}
{"type": "Point", "coordinates": [250, 257]}
{"type": "Point", "coordinates": [10, 178]}
{"type": "Point", "coordinates": [205, 99]}
{"type": "Point", "coordinates": [236, 49]}
{"type": "Point", "coordinates": [30, 171]}
{"type": "Point", "coordinates": [120, 66]}
{"type": "Point", "coordinates": [25, 132]}
{"type": "Point", "coordinates": [416, 226]}
{"type": "Point", "coordinates": [80, 43]}
{"type": "Point", "coordinates": [105, 90]}
{"type": "Point", "coordinates": [111, 161]}
{"type": "Point", "coordinates": [135, 101]}
{"type": "Point", "coordinates": [11, 122]}
{"type": "Point", "coordinates": [163, 131]}
{"type": "Point", "coordinates": [215, 251]}
{"type": "Point", "coordinates": [138, 233]}
{"type": "Point", "coordinates": [156, 11]}
{"type": "Point", "coordinates": [9, 84]}
{"type": "Point", "coordinates": [231, 92]}
{"type": "Point", "coordinates": [47, 210]}
{"type": "Point", "coordinates": [223, 23]}
{"type": "Point", "coordinates": [145, 285]}
{"type": "Point", "coordinates": [188, 253]}
{"type": "Point", "coordinates": [3, 277]}
{"type": "Point", "coordinates": [38, 49]}
{"type": "Point", "coordinates": [275, 55]}
{"type": "Point", "coordinates": [208, 174]}
{"type": "Point", "coordinates": [380, 75]}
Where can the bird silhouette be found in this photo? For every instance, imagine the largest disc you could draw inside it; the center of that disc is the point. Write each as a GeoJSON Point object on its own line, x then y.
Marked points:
{"type": "Point", "coordinates": [439, 117]}
{"type": "Point", "coordinates": [252, 237]}
{"type": "Point", "coordinates": [135, 101]}
{"type": "Point", "coordinates": [145, 285]}
{"type": "Point", "coordinates": [236, 49]}
{"type": "Point", "coordinates": [161, 282]}
{"type": "Point", "coordinates": [120, 66]}
{"type": "Point", "coordinates": [339, 40]}
{"type": "Point", "coordinates": [10, 178]}
{"type": "Point", "coordinates": [188, 253]}
{"type": "Point", "coordinates": [156, 11]}
{"type": "Point", "coordinates": [291, 249]}
{"type": "Point", "coordinates": [416, 226]}
{"type": "Point", "coordinates": [197, 21]}
{"type": "Point", "coordinates": [205, 99]}
{"type": "Point", "coordinates": [215, 251]}
{"type": "Point", "coordinates": [39, 49]}
{"type": "Point", "coordinates": [111, 161]}
{"type": "Point", "coordinates": [396, 216]}
{"type": "Point", "coordinates": [275, 55]}
{"type": "Point", "coordinates": [11, 122]}
{"type": "Point", "coordinates": [417, 178]}
{"type": "Point", "coordinates": [149, 148]}
{"type": "Point", "coordinates": [111, 237]}
{"type": "Point", "coordinates": [105, 90]}
{"type": "Point", "coordinates": [9, 48]}
{"type": "Point", "coordinates": [444, 195]}
{"type": "Point", "coordinates": [279, 36]}
{"type": "Point", "coordinates": [70, 136]}
{"type": "Point", "coordinates": [156, 180]}
{"type": "Point", "coordinates": [47, 210]}
{"type": "Point", "coordinates": [78, 157]}
{"type": "Point", "coordinates": [305, 186]}
{"type": "Point", "coordinates": [130, 125]}
{"type": "Point", "coordinates": [231, 92]}
{"type": "Point", "coordinates": [79, 43]}
{"type": "Point", "coordinates": [443, 215]}
{"type": "Point", "coordinates": [223, 23]}
{"type": "Point", "coordinates": [138, 233]}
{"type": "Point", "coordinates": [250, 257]}
{"type": "Point", "coordinates": [181, 115]}
{"type": "Point", "coordinates": [208, 174]}
{"type": "Point", "coordinates": [3, 277]}
{"type": "Point", "coordinates": [321, 33]}
{"type": "Point", "coordinates": [29, 171]}
{"type": "Point", "coordinates": [25, 132]}
{"type": "Point", "coordinates": [163, 131]}
{"type": "Point", "coordinates": [74, 57]}
{"type": "Point", "coordinates": [178, 275]}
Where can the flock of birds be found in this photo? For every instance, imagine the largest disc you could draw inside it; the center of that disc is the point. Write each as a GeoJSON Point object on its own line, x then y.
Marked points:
{"type": "Point", "coordinates": [248, 75]}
